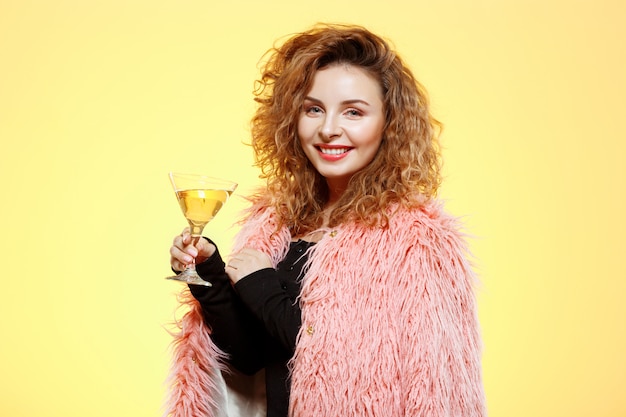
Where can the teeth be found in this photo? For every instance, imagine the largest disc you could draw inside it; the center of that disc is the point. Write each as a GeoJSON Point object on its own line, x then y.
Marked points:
{"type": "Point", "coordinates": [334, 151]}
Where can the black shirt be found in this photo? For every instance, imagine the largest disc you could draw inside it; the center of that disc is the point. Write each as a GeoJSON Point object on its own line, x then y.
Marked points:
{"type": "Point", "coordinates": [257, 321]}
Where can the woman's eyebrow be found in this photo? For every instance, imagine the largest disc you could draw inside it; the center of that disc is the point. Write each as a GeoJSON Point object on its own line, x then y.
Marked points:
{"type": "Point", "coordinates": [345, 102]}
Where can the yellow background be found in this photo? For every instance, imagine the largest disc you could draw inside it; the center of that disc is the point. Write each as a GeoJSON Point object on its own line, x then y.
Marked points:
{"type": "Point", "coordinates": [100, 99]}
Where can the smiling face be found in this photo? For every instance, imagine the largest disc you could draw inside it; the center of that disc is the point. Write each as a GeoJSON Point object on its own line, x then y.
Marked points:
{"type": "Point", "coordinates": [341, 123]}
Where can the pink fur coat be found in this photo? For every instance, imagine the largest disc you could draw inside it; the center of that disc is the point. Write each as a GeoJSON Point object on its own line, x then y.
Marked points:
{"type": "Point", "coordinates": [389, 325]}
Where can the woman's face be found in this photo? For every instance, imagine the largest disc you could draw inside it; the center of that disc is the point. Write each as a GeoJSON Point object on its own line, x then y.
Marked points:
{"type": "Point", "coordinates": [341, 123]}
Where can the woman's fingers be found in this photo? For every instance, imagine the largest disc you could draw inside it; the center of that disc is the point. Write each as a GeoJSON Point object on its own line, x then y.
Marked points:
{"type": "Point", "coordinates": [185, 255]}
{"type": "Point", "coordinates": [245, 262]}
{"type": "Point", "coordinates": [186, 248]}
{"type": "Point", "coordinates": [182, 251]}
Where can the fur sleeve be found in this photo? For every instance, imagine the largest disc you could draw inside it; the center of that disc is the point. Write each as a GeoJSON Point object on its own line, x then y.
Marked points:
{"type": "Point", "coordinates": [441, 342]}
{"type": "Point", "coordinates": [194, 388]}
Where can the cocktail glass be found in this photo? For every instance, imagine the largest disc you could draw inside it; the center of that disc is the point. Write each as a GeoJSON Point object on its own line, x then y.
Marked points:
{"type": "Point", "coordinates": [200, 198]}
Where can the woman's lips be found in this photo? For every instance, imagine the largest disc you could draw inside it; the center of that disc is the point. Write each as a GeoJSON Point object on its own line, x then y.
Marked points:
{"type": "Point", "coordinates": [333, 153]}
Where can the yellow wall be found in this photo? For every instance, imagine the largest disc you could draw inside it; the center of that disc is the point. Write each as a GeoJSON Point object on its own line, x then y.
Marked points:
{"type": "Point", "coordinates": [99, 99]}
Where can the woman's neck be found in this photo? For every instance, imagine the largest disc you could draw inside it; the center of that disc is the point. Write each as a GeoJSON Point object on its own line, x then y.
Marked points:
{"type": "Point", "coordinates": [336, 189]}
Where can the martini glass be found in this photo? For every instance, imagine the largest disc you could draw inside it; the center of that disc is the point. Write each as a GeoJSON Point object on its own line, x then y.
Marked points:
{"type": "Point", "coordinates": [200, 198]}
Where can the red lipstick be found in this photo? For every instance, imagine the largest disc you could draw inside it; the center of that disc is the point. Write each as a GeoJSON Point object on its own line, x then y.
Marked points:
{"type": "Point", "coordinates": [333, 152]}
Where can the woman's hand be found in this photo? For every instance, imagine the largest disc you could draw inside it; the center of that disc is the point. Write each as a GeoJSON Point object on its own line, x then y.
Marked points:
{"type": "Point", "coordinates": [245, 262]}
{"type": "Point", "coordinates": [185, 249]}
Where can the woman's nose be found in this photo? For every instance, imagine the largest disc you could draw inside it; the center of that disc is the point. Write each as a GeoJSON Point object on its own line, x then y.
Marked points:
{"type": "Point", "coordinates": [330, 128]}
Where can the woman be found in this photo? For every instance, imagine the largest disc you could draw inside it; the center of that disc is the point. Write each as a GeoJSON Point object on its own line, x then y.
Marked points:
{"type": "Point", "coordinates": [348, 285]}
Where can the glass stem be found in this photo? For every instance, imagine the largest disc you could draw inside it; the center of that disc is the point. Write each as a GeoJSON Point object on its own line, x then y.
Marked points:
{"type": "Point", "coordinates": [195, 237]}
{"type": "Point", "coordinates": [196, 230]}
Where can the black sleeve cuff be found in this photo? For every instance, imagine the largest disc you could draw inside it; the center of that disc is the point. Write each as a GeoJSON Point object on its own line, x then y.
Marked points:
{"type": "Point", "coordinates": [211, 270]}
{"type": "Point", "coordinates": [213, 265]}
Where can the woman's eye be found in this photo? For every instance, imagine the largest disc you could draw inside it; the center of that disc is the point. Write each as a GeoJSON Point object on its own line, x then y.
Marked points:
{"type": "Point", "coordinates": [313, 109]}
{"type": "Point", "coordinates": [353, 113]}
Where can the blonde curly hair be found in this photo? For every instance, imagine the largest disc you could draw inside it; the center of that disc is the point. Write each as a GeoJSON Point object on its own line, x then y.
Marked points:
{"type": "Point", "coordinates": [406, 168]}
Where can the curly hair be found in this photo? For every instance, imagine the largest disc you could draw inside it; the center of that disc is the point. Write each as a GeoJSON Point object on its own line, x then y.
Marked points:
{"type": "Point", "coordinates": [406, 168]}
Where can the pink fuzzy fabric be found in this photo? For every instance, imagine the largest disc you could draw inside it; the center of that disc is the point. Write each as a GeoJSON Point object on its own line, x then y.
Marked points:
{"type": "Point", "coordinates": [389, 326]}
{"type": "Point", "coordinates": [196, 361]}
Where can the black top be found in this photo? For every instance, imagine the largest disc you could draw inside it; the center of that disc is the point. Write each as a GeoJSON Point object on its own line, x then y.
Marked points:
{"type": "Point", "coordinates": [257, 321]}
